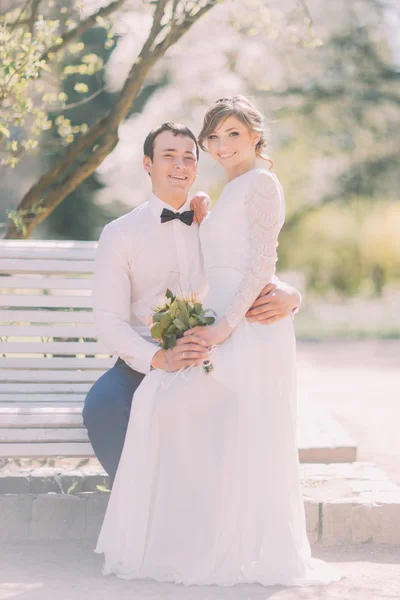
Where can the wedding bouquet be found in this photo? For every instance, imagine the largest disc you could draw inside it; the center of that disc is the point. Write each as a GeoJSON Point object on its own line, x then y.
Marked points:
{"type": "Point", "coordinates": [177, 314]}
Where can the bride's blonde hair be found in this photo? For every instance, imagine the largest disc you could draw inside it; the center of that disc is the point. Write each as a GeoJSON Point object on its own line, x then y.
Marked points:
{"type": "Point", "coordinates": [241, 108]}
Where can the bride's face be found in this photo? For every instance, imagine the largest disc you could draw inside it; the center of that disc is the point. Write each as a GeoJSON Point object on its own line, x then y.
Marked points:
{"type": "Point", "coordinates": [232, 143]}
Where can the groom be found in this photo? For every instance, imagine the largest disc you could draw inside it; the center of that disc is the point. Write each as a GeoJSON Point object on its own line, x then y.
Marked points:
{"type": "Point", "coordinates": [154, 247]}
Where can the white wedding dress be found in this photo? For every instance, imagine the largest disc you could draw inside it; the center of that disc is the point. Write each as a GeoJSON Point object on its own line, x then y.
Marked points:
{"type": "Point", "coordinates": [207, 490]}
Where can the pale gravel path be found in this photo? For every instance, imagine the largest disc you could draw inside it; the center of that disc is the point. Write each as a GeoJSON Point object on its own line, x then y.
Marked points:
{"type": "Point", "coordinates": [71, 571]}
{"type": "Point", "coordinates": [359, 384]}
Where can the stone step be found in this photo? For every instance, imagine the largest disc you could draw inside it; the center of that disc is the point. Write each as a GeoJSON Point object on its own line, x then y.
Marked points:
{"type": "Point", "coordinates": [350, 504]}
{"type": "Point", "coordinates": [320, 438]}
{"type": "Point", "coordinates": [344, 503]}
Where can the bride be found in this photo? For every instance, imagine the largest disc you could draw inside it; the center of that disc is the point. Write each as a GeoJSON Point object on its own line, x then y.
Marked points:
{"type": "Point", "coordinates": [208, 490]}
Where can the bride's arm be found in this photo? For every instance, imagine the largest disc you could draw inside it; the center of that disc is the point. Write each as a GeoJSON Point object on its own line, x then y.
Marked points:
{"type": "Point", "coordinates": [264, 213]}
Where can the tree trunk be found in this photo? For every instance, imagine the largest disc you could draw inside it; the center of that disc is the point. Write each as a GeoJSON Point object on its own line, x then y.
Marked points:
{"type": "Point", "coordinates": [84, 155]}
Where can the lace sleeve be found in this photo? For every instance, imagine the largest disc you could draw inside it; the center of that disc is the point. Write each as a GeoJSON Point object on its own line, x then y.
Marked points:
{"type": "Point", "coordinates": [265, 214]}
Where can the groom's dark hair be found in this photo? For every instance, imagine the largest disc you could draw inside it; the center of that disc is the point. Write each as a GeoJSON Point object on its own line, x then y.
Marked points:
{"type": "Point", "coordinates": [176, 129]}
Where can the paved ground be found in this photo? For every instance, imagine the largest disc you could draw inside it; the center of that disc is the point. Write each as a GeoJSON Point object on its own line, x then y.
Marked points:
{"type": "Point", "coordinates": [359, 383]}
{"type": "Point", "coordinates": [71, 571]}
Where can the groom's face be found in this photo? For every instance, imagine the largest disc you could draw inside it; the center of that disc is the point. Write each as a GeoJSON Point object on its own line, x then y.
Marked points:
{"type": "Point", "coordinates": [173, 168]}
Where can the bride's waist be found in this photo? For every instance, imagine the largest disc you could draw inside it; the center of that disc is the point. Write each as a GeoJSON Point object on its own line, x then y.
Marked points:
{"type": "Point", "coordinates": [223, 283]}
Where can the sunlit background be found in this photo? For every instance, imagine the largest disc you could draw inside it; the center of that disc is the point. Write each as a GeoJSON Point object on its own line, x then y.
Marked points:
{"type": "Point", "coordinates": [327, 77]}
{"type": "Point", "coordinates": [326, 74]}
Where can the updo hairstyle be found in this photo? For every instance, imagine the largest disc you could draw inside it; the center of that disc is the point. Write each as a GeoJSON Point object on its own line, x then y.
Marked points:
{"type": "Point", "coordinates": [241, 108]}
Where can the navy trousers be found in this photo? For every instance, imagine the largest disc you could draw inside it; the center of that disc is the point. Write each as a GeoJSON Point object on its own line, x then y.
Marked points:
{"type": "Point", "coordinates": [106, 413]}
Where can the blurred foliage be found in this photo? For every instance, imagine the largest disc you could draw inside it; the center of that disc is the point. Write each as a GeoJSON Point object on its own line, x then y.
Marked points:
{"type": "Point", "coordinates": [329, 80]}
{"type": "Point", "coordinates": [79, 217]}
{"type": "Point", "coordinates": [31, 34]}
{"type": "Point", "coordinates": [63, 222]}
{"type": "Point", "coordinates": [20, 65]}
{"type": "Point", "coordinates": [354, 249]}
{"type": "Point", "coordinates": [161, 25]}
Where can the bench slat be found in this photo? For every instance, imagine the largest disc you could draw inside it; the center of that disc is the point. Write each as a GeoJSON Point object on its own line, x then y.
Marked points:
{"type": "Point", "coordinates": [47, 449]}
{"type": "Point", "coordinates": [44, 435]}
{"type": "Point", "coordinates": [46, 283]}
{"type": "Point", "coordinates": [68, 244]}
{"type": "Point", "coordinates": [46, 316]}
{"type": "Point", "coordinates": [29, 408]}
{"type": "Point", "coordinates": [41, 420]}
{"type": "Point", "coordinates": [18, 265]}
{"type": "Point", "coordinates": [48, 253]}
{"type": "Point", "coordinates": [57, 363]}
{"type": "Point", "coordinates": [66, 376]}
{"type": "Point", "coordinates": [45, 301]}
{"type": "Point", "coordinates": [42, 397]}
{"type": "Point", "coordinates": [62, 399]}
{"type": "Point", "coordinates": [43, 388]}
{"type": "Point", "coordinates": [44, 331]}
{"type": "Point", "coordinates": [52, 348]}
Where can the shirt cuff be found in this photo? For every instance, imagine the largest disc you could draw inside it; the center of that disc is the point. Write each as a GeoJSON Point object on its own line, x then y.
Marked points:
{"type": "Point", "coordinates": [142, 363]}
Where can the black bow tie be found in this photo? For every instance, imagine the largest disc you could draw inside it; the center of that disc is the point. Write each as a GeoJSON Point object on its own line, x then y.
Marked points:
{"type": "Point", "coordinates": [168, 215]}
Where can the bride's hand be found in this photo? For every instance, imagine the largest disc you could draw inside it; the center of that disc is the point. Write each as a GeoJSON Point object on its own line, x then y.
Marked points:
{"type": "Point", "coordinates": [212, 334]}
{"type": "Point", "coordinates": [201, 205]}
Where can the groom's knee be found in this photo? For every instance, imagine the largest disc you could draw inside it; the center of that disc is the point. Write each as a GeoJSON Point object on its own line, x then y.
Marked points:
{"type": "Point", "coordinates": [108, 402]}
{"type": "Point", "coordinates": [102, 406]}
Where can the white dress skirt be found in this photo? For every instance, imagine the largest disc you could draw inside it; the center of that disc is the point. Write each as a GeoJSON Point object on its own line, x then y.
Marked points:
{"type": "Point", "coordinates": [208, 488]}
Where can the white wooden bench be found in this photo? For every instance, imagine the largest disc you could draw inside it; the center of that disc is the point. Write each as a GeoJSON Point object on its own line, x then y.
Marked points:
{"type": "Point", "coordinates": [49, 354]}
{"type": "Point", "coordinates": [49, 357]}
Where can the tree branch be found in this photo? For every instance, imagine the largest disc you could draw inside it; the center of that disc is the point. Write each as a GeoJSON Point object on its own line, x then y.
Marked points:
{"type": "Point", "coordinates": [48, 191]}
{"type": "Point", "coordinates": [82, 27]}
{"type": "Point", "coordinates": [79, 103]}
{"type": "Point", "coordinates": [21, 12]}
{"type": "Point", "coordinates": [33, 15]}
{"type": "Point", "coordinates": [306, 11]}
{"type": "Point", "coordinates": [156, 28]}
{"type": "Point", "coordinates": [11, 8]}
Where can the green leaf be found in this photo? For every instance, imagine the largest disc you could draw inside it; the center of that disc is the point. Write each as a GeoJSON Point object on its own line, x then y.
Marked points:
{"type": "Point", "coordinates": [180, 325]}
{"type": "Point", "coordinates": [173, 309]}
{"type": "Point", "coordinates": [72, 487]}
{"type": "Point", "coordinates": [198, 308]}
{"type": "Point", "coordinates": [192, 321]}
{"type": "Point", "coordinates": [184, 315]}
{"type": "Point", "coordinates": [43, 65]}
{"type": "Point", "coordinates": [156, 331]}
{"type": "Point", "coordinates": [4, 131]}
{"type": "Point", "coordinates": [166, 321]}
{"type": "Point", "coordinates": [209, 320]}
{"type": "Point", "coordinates": [81, 88]}
{"type": "Point", "coordinates": [171, 341]}
{"type": "Point", "coordinates": [169, 295]}
{"type": "Point", "coordinates": [102, 488]}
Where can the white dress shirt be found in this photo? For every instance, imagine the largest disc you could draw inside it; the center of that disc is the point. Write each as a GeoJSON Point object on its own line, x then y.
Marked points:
{"type": "Point", "coordinates": [137, 259]}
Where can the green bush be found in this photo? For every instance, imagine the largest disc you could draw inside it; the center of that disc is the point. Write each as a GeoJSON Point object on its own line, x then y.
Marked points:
{"type": "Point", "coordinates": [351, 248]}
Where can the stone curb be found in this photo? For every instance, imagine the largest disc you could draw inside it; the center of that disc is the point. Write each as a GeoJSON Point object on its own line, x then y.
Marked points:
{"type": "Point", "coordinates": [344, 504]}
{"type": "Point", "coordinates": [66, 516]}
{"type": "Point", "coordinates": [47, 480]}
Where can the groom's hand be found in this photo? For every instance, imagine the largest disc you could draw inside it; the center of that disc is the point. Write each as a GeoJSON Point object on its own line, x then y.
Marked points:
{"type": "Point", "coordinates": [187, 352]}
{"type": "Point", "coordinates": [274, 303]}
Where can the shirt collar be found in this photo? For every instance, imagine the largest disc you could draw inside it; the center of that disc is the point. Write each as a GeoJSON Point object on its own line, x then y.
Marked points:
{"type": "Point", "coordinates": [156, 206]}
